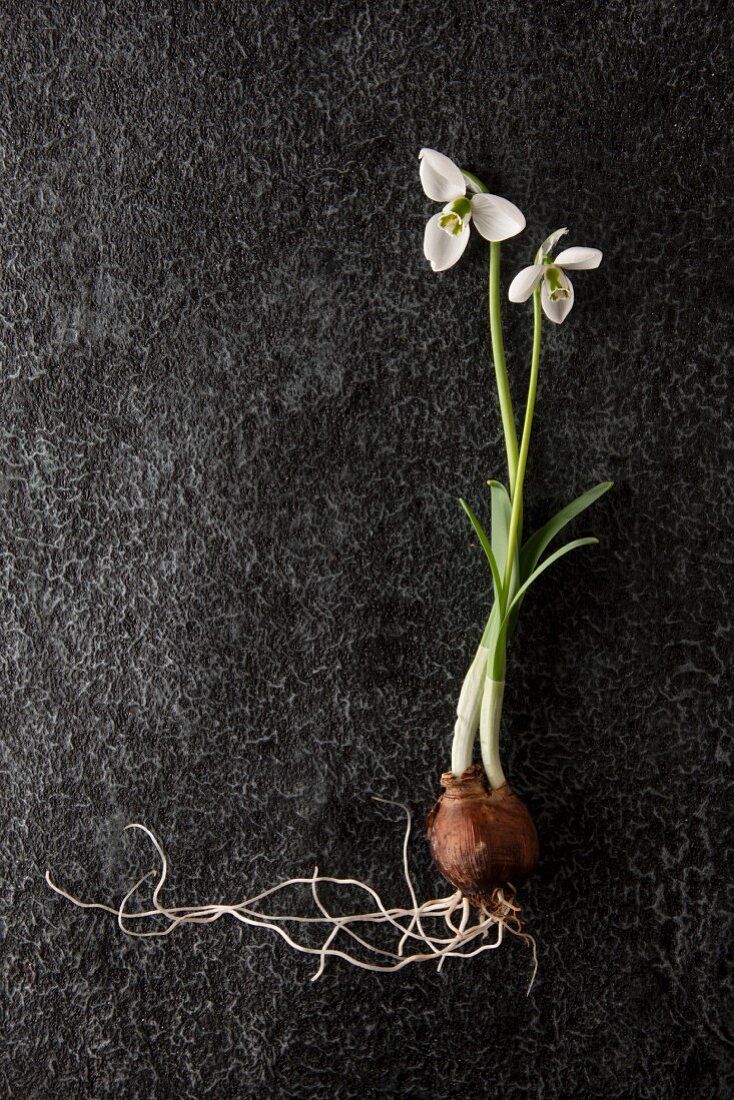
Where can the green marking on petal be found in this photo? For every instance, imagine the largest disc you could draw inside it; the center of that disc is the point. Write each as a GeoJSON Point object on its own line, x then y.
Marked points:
{"type": "Point", "coordinates": [455, 216]}
{"type": "Point", "coordinates": [556, 285]}
{"type": "Point", "coordinates": [451, 224]}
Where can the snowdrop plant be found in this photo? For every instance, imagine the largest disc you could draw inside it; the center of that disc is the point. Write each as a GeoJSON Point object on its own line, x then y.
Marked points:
{"type": "Point", "coordinates": [482, 837]}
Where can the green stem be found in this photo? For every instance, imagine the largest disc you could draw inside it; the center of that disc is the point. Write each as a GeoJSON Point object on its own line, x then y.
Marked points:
{"type": "Point", "coordinates": [525, 445]}
{"type": "Point", "coordinates": [500, 368]}
{"type": "Point", "coordinates": [497, 664]}
{"type": "Point", "coordinates": [475, 181]}
{"type": "Point", "coordinates": [489, 731]}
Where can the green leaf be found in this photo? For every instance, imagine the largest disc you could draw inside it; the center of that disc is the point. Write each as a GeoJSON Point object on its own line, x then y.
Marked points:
{"type": "Point", "coordinates": [542, 568]}
{"type": "Point", "coordinates": [487, 547]}
{"type": "Point", "coordinates": [533, 549]}
{"type": "Point", "coordinates": [501, 513]}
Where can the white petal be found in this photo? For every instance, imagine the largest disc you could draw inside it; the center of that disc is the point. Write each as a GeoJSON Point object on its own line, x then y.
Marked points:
{"type": "Point", "coordinates": [559, 310]}
{"type": "Point", "coordinates": [496, 218]}
{"type": "Point", "coordinates": [525, 282]}
{"type": "Point", "coordinates": [579, 259]}
{"type": "Point", "coordinates": [443, 249]}
{"type": "Point", "coordinates": [441, 179]}
{"type": "Point", "coordinates": [549, 243]}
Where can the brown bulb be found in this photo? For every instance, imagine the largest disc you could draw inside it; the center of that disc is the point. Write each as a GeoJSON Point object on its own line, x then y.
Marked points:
{"type": "Point", "coordinates": [481, 839]}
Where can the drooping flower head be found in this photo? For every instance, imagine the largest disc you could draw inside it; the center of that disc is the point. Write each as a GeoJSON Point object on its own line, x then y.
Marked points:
{"type": "Point", "coordinates": [447, 233]}
{"type": "Point", "coordinates": [556, 291]}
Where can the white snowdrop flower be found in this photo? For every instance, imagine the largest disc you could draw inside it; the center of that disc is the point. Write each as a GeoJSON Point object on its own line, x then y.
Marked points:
{"type": "Point", "coordinates": [447, 233]}
{"type": "Point", "coordinates": [556, 291]}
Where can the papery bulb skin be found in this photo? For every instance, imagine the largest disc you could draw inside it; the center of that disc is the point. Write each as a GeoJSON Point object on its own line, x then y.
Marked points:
{"type": "Point", "coordinates": [480, 838]}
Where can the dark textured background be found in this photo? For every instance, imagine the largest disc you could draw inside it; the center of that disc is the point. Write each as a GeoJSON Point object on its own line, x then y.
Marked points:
{"type": "Point", "coordinates": [238, 593]}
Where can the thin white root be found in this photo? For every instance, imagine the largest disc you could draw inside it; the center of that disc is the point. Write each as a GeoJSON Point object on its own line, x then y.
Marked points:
{"type": "Point", "coordinates": [462, 941]}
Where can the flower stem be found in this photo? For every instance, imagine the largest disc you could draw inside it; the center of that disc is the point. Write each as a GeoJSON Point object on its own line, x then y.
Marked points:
{"type": "Point", "coordinates": [512, 537]}
{"type": "Point", "coordinates": [498, 345]}
{"type": "Point", "coordinates": [500, 368]}
{"type": "Point", "coordinates": [489, 731]}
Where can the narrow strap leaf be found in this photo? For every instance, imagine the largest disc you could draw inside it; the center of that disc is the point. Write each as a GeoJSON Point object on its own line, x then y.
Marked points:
{"type": "Point", "coordinates": [487, 547]}
{"type": "Point", "coordinates": [501, 512]}
{"type": "Point", "coordinates": [533, 549]}
{"type": "Point", "coordinates": [542, 568]}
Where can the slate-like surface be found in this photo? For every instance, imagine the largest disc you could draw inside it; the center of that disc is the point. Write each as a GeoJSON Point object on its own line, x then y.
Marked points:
{"type": "Point", "coordinates": [238, 595]}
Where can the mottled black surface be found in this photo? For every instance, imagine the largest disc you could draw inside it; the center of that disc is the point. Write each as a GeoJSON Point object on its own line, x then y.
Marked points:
{"type": "Point", "coordinates": [238, 595]}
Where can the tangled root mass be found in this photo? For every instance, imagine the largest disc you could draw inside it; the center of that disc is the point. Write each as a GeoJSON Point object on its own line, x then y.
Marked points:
{"type": "Point", "coordinates": [438, 929]}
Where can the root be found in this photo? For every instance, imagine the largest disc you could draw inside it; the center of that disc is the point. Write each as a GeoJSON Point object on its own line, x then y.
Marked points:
{"type": "Point", "coordinates": [415, 925]}
{"type": "Point", "coordinates": [502, 904]}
